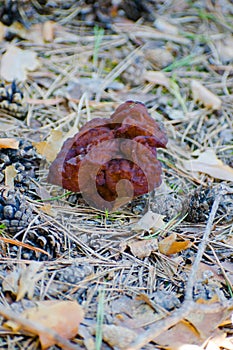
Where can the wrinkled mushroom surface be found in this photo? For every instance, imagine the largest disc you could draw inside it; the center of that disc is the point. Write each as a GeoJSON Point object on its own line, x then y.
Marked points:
{"type": "Point", "coordinates": [108, 150]}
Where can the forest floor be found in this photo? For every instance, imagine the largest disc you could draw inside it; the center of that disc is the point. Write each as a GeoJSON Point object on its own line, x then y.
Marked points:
{"type": "Point", "coordinates": [157, 272]}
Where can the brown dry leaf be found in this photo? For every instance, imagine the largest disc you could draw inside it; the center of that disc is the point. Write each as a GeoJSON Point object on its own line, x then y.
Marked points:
{"type": "Point", "coordinates": [10, 173]}
{"type": "Point", "coordinates": [207, 323]}
{"type": "Point", "coordinates": [63, 317]}
{"type": "Point", "coordinates": [143, 248]}
{"type": "Point", "coordinates": [9, 143]}
{"type": "Point", "coordinates": [117, 336]}
{"type": "Point", "coordinates": [202, 94]}
{"type": "Point", "coordinates": [196, 329]}
{"type": "Point", "coordinates": [48, 31]}
{"type": "Point", "coordinates": [134, 313]}
{"type": "Point", "coordinates": [159, 78]}
{"type": "Point", "coordinates": [150, 221]}
{"type": "Point", "coordinates": [208, 163]}
{"type": "Point", "coordinates": [183, 333]}
{"type": "Point", "coordinates": [16, 62]}
{"type": "Point", "coordinates": [28, 278]}
{"type": "Point", "coordinates": [170, 245]}
{"type": "Point", "coordinates": [51, 147]}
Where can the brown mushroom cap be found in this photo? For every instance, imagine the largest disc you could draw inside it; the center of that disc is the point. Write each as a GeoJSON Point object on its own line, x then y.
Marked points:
{"type": "Point", "coordinates": [106, 151]}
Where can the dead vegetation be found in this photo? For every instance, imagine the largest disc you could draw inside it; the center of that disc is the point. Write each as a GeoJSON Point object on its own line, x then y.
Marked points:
{"type": "Point", "coordinates": [157, 272]}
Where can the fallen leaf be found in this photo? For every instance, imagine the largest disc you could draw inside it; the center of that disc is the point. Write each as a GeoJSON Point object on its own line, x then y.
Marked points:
{"type": "Point", "coordinates": [169, 245]}
{"type": "Point", "coordinates": [10, 173]}
{"type": "Point", "coordinates": [208, 163]}
{"type": "Point", "coordinates": [9, 143]}
{"type": "Point", "coordinates": [63, 317]}
{"type": "Point", "coordinates": [182, 333]}
{"type": "Point", "coordinates": [51, 147]}
{"type": "Point", "coordinates": [10, 282]}
{"type": "Point", "coordinates": [143, 248]}
{"type": "Point", "coordinates": [202, 94]}
{"type": "Point", "coordinates": [195, 329]}
{"type": "Point", "coordinates": [16, 62]}
{"type": "Point", "coordinates": [150, 221]}
{"type": "Point", "coordinates": [157, 77]}
{"type": "Point", "coordinates": [29, 276]}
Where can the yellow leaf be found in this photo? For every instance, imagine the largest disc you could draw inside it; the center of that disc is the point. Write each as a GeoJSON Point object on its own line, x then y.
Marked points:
{"type": "Point", "coordinates": [9, 143]}
{"type": "Point", "coordinates": [208, 163]}
{"type": "Point", "coordinates": [170, 245]}
{"type": "Point", "coordinates": [51, 147]}
{"type": "Point", "coordinates": [205, 96]}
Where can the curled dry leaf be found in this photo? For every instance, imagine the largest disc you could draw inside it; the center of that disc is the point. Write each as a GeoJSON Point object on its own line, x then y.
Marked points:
{"type": "Point", "coordinates": [208, 163]}
{"type": "Point", "coordinates": [16, 62]}
{"type": "Point", "coordinates": [170, 245]}
{"type": "Point", "coordinates": [150, 221]}
{"type": "Point", "coordinates": [202, 94]}
{"type": "Point", "coordinates": [143, 248]}
{"type": "Point", "coordinates": [63, 317]}
{"type": "Point", "coordinates": [9, 143]}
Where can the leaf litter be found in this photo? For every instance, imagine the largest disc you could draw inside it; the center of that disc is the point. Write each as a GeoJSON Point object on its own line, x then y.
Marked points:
{"type": "Point", "coordinates": [192, 97]}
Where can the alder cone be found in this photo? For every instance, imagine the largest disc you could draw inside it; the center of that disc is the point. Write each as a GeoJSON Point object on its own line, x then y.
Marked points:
{"type": "Point", "coordinates": [106, 151]}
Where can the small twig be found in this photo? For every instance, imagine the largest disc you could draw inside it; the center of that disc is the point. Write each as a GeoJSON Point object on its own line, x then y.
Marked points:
{"type": "Point", "coordinates": [188, 305]}
{"type": "Point", "coordinates": [36, 328]}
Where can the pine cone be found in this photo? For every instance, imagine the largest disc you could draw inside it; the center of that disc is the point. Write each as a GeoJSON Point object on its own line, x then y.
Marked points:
{"type": "Point", "coordinates": [200, 204]}
{"type": "Point", "coordinates": [11, 101]}
{"type": "Point", "coordinates": [15, 213]}
{"type": "Point", "coordinates": [26, 162]}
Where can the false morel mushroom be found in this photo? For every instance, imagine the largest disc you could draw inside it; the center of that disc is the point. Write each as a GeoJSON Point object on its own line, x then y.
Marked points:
{"type": "Point", "coordinates": [112, 160]}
